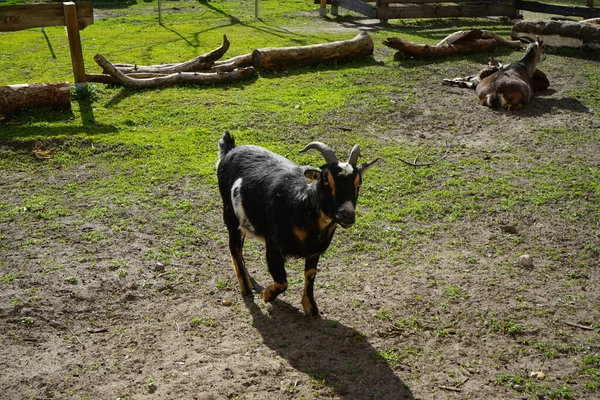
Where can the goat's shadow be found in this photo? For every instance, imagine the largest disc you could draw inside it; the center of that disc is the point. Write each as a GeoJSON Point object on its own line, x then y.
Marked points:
{"type": "Point", "coordinates": [541, 104]}
{"type": "Point", "coordinates": [329, 352]}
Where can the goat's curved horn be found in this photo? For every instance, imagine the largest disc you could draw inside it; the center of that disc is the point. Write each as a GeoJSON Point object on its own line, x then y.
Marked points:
{"type": "Point", "coordinates": [354, 154]}
{"type": "Point", "coordinates": [328, 154]}
{"type": "Point", "coordinates": [527, 39]}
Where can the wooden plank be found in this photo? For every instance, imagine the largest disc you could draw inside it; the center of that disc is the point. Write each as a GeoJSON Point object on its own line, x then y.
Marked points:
{"type": "Point", "coordinates": [358, 6]}
{"type": "Point", "coordinates": [536, 6]}
{"type": "Point", "coordinates": [16, 18]}
{"type": "Point", "coordinates": [429, 11]}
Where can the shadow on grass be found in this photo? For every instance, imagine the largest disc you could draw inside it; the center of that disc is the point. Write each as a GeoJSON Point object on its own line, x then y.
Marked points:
{"type": "Point", "coordinates": [320, 67]}
{"type": "Point", "coordinates": [22, 129]}
{"type": "Point", "coordinates": [125, 92]}
{"type": "Point", "coordinates": [331, 353]}
{"type": "Point", "coordinates": [433, 28]}
{"type": "Point", "coordinates": [266, 28]}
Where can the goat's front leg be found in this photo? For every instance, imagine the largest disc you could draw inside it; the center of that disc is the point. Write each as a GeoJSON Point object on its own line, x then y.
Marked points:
{"type": "Point", "coordinates": [276, 265]}
{"type": "Point", "coordinates": [310, 272]}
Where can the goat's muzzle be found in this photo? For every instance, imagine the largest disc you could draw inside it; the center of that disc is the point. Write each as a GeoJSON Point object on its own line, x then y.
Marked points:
{"type": "Point", "coordinates": [345, 215]}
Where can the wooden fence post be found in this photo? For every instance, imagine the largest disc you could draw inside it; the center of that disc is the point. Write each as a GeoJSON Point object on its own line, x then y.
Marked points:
{"type": "Point", "coordinates": [323, 8]}
{"type": "Point", "coordinates": [70, 11]}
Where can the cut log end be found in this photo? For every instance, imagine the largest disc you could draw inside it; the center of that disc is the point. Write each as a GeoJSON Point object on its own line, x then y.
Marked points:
{"type": "Point", "coordinates": [16, 98]}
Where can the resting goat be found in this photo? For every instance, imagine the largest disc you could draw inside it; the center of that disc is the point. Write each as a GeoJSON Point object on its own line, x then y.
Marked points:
{"type": "Point", "coordinates": [294, 209]}
{"type": "Point", "coordinates": [508, 86]}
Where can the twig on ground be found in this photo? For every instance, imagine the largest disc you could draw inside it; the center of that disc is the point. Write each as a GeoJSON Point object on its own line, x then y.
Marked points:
{"type": "Point", "coordinates": [452, 389]}
{"type": "Point", "coordinates": [414, 164]}
{"type": "Point", "coordinates": [586, 327]}
{"type": "Point", "coordinates": [463, 382]}
{"type": "Point", "coordinates": [75, 336]}
{"type": "Point", "coordinates": [97, 330]}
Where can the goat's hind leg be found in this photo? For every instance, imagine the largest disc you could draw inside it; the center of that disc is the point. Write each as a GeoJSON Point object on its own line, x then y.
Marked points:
{"type": "Point", "coordinates": [236, 244]}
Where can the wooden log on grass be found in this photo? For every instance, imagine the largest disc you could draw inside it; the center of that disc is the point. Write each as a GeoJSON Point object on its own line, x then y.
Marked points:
{"type": "Point", "coordinates": [15, 98]}
{"type": "Point", "coordinates": [277, 58]}
{"type": "Point", "coordinates": [475, 34]}
{"type": "Point", "coordinates": [412, 49]}
{"type": "Point", "coordinates": [202, 78]}
{"type": "Point", "coordinates": [560, 33]}
{"type": "Point", "coordinates": [460, 42]}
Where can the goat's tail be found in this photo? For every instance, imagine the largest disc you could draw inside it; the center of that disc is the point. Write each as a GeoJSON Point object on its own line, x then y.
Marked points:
{"type": "Point", "coordinates": [226, 144]}
{"type": "Point", "coordinates": [494, 100]}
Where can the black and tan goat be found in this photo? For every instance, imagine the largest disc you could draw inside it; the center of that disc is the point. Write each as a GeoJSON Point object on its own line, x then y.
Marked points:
{"type": "Point", "coordinates": [294, 209]}
{"type": "Point", "coordinates": [508, 86]}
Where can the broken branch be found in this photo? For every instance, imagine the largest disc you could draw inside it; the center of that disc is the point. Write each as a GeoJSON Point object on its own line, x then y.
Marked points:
{"type": "Point", "coordinates": [205, 78]}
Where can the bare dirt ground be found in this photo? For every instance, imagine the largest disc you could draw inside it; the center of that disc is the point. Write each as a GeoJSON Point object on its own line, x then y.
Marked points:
{"type": "Point", "coordinates": [390, 328]}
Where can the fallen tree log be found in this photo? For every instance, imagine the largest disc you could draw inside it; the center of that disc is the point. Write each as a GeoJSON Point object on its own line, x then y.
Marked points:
{"type": "Point", "coordinates": [277, 58]}
{"type": "Point", "coordinates": [595, 21]}
{"type": "Point", "coordinates": [461, 42]}
{"type": "Point", "coordinates": [412, 49]}
{"type": "Point", "coordinates": [15, 98]}
{"type": "Point", "coordinates": [203, 78]}
{"type": "Point", "coordinates": [474, 34]}
{"type": "Point", "coordinates": [560, 33]}
{"type": "Point", "coordinates": [200, 63]}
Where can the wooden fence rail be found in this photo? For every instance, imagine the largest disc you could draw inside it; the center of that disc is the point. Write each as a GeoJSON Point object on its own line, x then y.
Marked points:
{"type": "Point", "coordinates": [398, 9]}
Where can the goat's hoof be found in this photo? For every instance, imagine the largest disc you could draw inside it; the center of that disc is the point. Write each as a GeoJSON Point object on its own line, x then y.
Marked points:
{"type": "Point", "coordinates": [313, 312]}
{"type": "Point", "coordinates": [310, 309]}
{"type": "Point", "coordinates": [270, 295]}
{"type": "Point", "coordinates": [274, 290]}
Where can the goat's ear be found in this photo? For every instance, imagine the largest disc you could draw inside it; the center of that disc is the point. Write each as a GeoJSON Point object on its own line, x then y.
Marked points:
{"type": "Point", "coordinates": [312, 174]}
{"type": "Point", "coordinates": [362, 168]}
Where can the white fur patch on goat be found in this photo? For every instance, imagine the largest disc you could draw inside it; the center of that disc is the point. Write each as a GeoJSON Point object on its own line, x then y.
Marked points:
{"type": "Point", "coordinates": [346, 169]}
{"type": "Point", "coordinates": [238, 206]}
